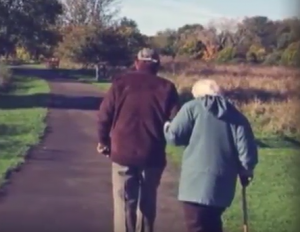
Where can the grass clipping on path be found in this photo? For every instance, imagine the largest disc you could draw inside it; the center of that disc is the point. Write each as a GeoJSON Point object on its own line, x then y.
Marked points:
{"type": "Point", "coordinates": [20, 128]}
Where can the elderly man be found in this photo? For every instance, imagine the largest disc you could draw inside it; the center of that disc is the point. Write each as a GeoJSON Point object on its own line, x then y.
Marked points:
{"type": "Point", "coordinates": [131, 119]}
{"type": "Point", "coordinates": [220, 146]}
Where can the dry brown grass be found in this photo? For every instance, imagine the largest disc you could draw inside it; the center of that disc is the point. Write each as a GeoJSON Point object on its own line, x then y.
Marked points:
{"type": "Point", "coordinates": [269, 96]}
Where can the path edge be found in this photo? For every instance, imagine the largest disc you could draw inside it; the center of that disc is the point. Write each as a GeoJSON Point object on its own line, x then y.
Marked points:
{"type": "Point", "coordinates": [8, 175]}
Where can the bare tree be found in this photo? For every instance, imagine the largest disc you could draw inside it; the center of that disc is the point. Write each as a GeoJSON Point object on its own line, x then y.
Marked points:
{"type": "Point", "coordinates": [86, 12]}
{"type": "Point", "coordinates": [225, 24]}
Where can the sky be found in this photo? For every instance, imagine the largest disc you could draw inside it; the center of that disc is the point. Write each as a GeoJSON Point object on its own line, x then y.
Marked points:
{"type": "Point", "coordinates": [156, 15]}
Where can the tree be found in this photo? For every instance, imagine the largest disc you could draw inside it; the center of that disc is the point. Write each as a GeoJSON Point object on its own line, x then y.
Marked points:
{"type": "Point", "coordinates": [165, 42]}
{"type": "Point", "coordinates": [225, 55]}
{"type": "Point", "coordinates": [291, 55]}
{"type": "Point", "coordinates": [86, 12]}
{"type": "Point", "coordinates": [28, 23]}
{"type": "Point", "coordinates": [88, 44]}
{"type": "Point", "coordinates": [99, 37]}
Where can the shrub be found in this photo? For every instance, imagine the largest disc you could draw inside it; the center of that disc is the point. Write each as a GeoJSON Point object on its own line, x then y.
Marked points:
{"type": "Point", "coordinates": [5, 78]}
{"type": "Point", "coordinates": [251, 58]}
{"type": "Point", "coordinates": [226, 55]}
{"type": "Point", "coordinates": [256, 54]}
{"type": "Point", "coordinates": [22, 54]}
{"type": "Point", "coordinates": [273, 58]}
{"type": "Point", "coordinates": [291, 55]}
{"type": "Point", "coordinates": [237, 60]}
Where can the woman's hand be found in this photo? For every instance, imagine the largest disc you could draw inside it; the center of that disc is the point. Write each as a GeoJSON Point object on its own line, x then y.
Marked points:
{"type": "Point", "coordinates": [246, 176]}
{"type": "Point", "coordinates": [166, 126]}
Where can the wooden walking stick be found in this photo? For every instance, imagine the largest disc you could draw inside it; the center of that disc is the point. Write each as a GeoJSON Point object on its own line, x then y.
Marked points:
{"type": "Point", "coordinates": [245, 210]}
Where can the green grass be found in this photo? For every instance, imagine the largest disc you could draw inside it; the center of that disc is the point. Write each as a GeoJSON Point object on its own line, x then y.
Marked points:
{"type": "Point", "coordinates": [30, 66]}
{"type": "Point", "coordinates": [272, 197]}
{"type": "Point", "coordinates": [20, 128]}
{"type": "Point", "coordinates": [103, 86]}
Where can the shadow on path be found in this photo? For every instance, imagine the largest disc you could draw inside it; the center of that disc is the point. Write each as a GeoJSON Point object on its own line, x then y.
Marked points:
{"type": "Point", "coordinates": [56, 74]}
{"type": "Point", "coordinates": [54, 101]}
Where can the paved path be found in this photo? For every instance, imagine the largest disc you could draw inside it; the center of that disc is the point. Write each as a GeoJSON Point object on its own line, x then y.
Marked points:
{"type": "Point", "coordinates": [65, 185]}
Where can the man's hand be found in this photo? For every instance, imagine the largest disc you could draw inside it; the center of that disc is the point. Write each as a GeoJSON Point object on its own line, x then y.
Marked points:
{"type": "Point", "coordinates": [102, 149]}
{"type": "Point", "coordinates": [245, 178]}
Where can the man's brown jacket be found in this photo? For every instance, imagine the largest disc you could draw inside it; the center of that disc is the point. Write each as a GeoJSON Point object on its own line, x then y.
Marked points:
{"type": "Point", "coordinates": [132, 115]}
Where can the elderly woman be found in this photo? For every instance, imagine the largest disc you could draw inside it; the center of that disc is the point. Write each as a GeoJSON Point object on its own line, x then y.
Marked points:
{"type": "Point", "coordinates": [219, 148]}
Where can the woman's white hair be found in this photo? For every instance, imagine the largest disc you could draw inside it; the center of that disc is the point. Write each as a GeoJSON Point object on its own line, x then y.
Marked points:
{"type": "Point", "coordinates": [204, 87]}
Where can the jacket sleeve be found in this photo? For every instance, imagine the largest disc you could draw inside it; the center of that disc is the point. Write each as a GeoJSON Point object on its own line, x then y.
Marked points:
{"type": "Point", "coordinates": [105, 116]}
{"type": "Point", "coordinates": [173, 102]}
{"type": "Point", "coordinates": [246, 147]}
{"type": "Point", "coordinates": [180, 129]}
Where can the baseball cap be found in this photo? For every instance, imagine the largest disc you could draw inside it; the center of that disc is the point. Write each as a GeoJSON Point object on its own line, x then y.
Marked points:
{"type": "Point", "coordinates": [148, 54]}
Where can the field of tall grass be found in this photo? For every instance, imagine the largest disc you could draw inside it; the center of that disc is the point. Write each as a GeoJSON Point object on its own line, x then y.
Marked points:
{"type": "Point", "coordinates": [269, 96]}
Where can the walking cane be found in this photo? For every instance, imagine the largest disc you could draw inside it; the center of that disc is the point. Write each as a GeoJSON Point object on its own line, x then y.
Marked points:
{"type": "Point", "coordinates": [245, 210]}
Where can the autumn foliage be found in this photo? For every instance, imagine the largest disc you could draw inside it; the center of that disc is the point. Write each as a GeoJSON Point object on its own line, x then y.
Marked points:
{"type": "Point", "coordinates": [90, 31]}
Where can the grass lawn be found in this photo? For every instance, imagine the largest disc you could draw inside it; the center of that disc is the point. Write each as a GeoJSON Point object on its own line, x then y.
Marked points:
{"type": "Point", "coordinates": [102, 86]}
{"type": "Point", "coordinates": [30, 66]}
{"type": "Point", "coordinates": [273, 196]}
{"type": "Point", "coordinates": [20, 128]}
